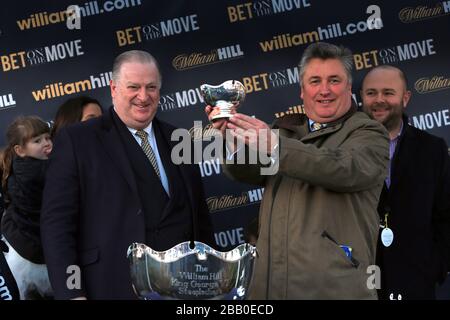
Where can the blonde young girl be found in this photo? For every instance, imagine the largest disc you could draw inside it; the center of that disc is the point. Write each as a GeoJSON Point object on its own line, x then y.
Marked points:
{"type": "Point", "coordinates": [23, 165]}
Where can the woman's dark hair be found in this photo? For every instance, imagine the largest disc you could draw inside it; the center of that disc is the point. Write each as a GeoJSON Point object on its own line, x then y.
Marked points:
{"type": "Point", "coordinates": [71, 112]}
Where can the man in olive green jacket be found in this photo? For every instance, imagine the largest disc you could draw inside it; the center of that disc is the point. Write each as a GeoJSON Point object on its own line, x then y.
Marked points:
{"type": "Point", "coordinates": [318, 218]}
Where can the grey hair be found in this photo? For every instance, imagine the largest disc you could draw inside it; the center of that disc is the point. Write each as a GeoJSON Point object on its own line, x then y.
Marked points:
{"type": "Point", "coordinates": [133, 56]}
{"type": "Point", "coordinates": [324, 50]}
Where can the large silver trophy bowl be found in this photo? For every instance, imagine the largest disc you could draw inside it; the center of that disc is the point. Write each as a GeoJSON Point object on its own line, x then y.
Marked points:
{"type": "Point", "coordinates": [194, 273]}
{"type": "Point", "coordinates": [226, 96]}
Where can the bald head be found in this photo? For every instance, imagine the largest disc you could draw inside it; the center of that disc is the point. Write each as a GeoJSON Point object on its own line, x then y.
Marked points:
{"type": "Point", "coordinates": [387, 67]}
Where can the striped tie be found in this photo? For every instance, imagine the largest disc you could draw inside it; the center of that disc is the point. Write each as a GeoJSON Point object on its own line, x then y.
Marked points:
{"type": "Point", "coordinates": [148, 150]}
{"type": "Point", "coordinates": [317, 126]}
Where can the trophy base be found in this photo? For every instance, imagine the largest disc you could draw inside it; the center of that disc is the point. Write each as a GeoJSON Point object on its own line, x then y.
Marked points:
{"type": "Point", "coordinates": [221, 116]}
{"type": "Point", "coordinates": [226, 109]}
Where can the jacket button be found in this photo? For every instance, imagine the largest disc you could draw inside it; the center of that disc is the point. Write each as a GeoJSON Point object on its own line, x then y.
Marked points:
{"type": "Point", "coordinates": [139, 212]}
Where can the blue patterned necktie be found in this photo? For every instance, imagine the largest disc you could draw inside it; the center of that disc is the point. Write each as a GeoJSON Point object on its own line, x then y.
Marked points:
{"type": "Point", "coordinates": [148, 150]}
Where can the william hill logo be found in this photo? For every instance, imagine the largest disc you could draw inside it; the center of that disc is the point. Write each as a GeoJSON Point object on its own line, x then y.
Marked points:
{"type": "Point", "coordinates": [292, 110]}
{"type": "Point", "coordinates": [204, 134]}
{"type": "Point", "coordinates": [59, 89]}
{"type": "Point", "coordinates": [193, 60]}
{"type": "Point", "coordinates": [7, 101]}
{"type": "Point", "coordinates": [409, 14]}
{"type": "Point", "coordinates": [436, 83]}
{"type": "Point", "coordinates": [226, 202]}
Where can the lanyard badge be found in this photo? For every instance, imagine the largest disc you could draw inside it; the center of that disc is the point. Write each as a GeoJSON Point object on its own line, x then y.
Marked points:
{"type": "Point", "coordinates": [387, 236]}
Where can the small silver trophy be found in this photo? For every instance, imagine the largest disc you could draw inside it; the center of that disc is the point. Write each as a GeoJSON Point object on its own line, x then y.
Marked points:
{"type": "Point", "coordinates": [226, 96]}
{"type": "Point", "coordinates": [194, 273]}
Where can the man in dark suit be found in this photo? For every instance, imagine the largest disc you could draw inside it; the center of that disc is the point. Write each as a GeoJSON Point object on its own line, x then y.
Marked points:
{"type": "Point", "coordinates": [414, 244]}
{"type": "Point", "coordinates": [111, 182]}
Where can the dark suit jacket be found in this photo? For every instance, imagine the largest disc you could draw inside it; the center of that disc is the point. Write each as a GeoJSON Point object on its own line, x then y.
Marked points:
{"type": "Point", "coordinates": [419, 204]}
{"type": "Point", "coordinates": [92, 212]}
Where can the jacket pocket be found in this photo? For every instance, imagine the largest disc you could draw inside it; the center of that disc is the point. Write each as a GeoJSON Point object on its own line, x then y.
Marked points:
{"type": "Point", "coordinates": [354, 263]}
{"type": "Point", "coordinates": [89, 256]}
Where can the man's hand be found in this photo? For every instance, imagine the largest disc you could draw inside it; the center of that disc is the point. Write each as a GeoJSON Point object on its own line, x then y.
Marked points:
{"type": "Point", "coordinates": [254, 132]}
{"type": "Point", "coordinates": [219, 124]}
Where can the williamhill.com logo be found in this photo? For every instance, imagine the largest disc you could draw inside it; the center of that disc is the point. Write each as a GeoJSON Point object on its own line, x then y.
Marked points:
{"type": "Point", "coordinates": [334, 30]}
{"type": "Point", "coordinates": [90, 8]}
{"type": "Point", "coordinates": [331, 31]}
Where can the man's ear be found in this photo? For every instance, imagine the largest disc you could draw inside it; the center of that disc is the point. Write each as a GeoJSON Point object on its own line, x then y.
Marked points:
{"type": "Point", "coordinates": [349, 87]}
{"type": "Point", "coordinates": [406, 97]}
{"type": "Point", "coordinates": [19, 150]}
{"type": "Point", "coordinates": [113, 87]}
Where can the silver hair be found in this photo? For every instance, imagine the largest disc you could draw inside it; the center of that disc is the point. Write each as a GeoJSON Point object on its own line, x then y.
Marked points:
{"type": "Point", "coordinates": [324, 50]}
{"type": "Point", "coordinates": [133, 56]}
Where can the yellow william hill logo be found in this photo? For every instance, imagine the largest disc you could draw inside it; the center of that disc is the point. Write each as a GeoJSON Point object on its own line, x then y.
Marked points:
{"type": "Point", "coordinates": [225, 202]}
{"type": "Point", "coordinates": [292, 110]}
{"type": "Point", "coordinates": [184, 61]}
{"type": "Point", "coordinates": [436, 83]}
{"type": "Point", "coordinates": [196, 59]}
{"type": "Point", "coordinates": [59, 89]}
{"type": "Point", "coordinates": [410, 14]}
{"type": "Point", "coordinates": [204, 133]}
